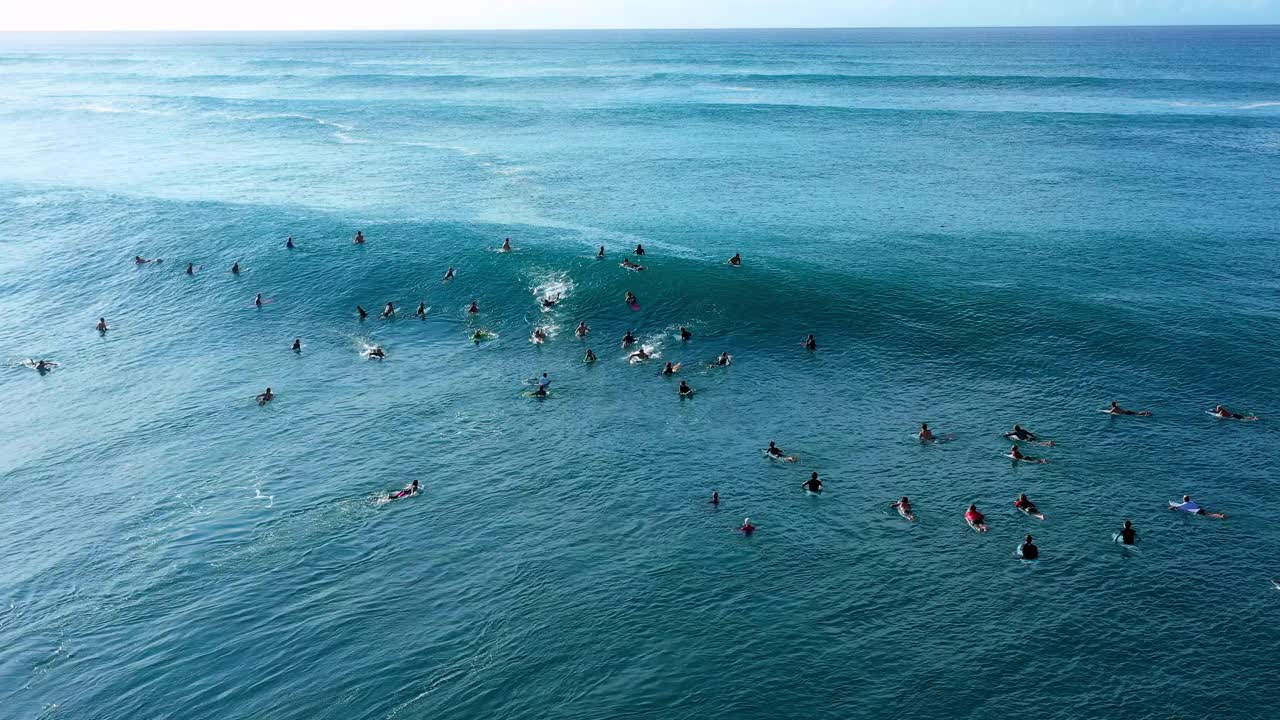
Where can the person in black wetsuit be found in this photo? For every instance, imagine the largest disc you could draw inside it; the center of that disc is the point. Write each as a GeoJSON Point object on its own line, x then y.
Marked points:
{"type": "Point", "coordinates": [810, 343]}
{"type": "Point", "coordinates": [297, 345]}
{"type": "Point", "coordinates": [685, 334]}
{"type": "Point", "coordinates": [813, 484]}
{"type": "Point", "coordinates": [289, 243]}
{"type": "Point", "coordinates": [685, 390]}
{"type": "Point", "coordinates": [1028, 550]}
{"type": "Point", "coordinates": [1128, 536]}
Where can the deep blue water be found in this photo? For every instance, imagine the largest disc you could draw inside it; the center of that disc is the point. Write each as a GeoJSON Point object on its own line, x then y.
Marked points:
{"type": "Point", "coordinates": [982, 227]}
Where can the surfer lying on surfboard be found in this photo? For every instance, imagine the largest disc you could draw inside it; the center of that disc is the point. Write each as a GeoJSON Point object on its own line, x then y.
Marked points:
{"type": "Point", "coordinates": [1028, 507]}
{"type": "Point", "coordinates": [409, 490]}
{"type": "Point", "coordinates": [1194, 508]}
{"type": "Point", "coordinates": [1016, 454]}
{"type": "Point", "coordinates": [775, 452]}
{"type": "Point", "coordinates": [630, 265]}
{"type": "Point", "coordinates": [976, 520]}
{"type": "Point", "coordinates": [265, 397]}
{"type": "Point", "coordinates": [1020, 434]}
{"type": "Point", "coordinates": [1226, 414]}
{"type": "Point", "coordinates": [1115, 409]}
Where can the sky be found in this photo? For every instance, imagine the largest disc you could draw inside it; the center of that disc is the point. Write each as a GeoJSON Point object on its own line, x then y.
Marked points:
{"type": "Point", "coordinates": [66, 15]}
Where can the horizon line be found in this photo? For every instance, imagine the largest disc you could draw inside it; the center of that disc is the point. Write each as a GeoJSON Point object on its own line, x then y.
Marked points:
{"type": "Point", "coordinates": [638, 29]}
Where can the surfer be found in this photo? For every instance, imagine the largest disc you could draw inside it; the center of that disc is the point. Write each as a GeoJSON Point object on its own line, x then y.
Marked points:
{"type": "Point", "coordinates": [685, 335]}
{"type": "Point", "coordinates": [1027, 550]}
{"type": "Point", "coordinates": [478, 335]}
{"type": "Point", "coordinates": [506, 245]}
{"type": "Point", "coordinates": [724, 359]}
{"type": "Point", "coordinates": [44, 366]}
{"type": "Point", "coordinates": [1019, 433]}
{"type": "Point", "coordinates": [362, 312]}
{"type": "Point", "coordinates": [1222, 412]}
{"type": "Point", "coordinates": [422, 310]}
{"type": "Point", "coordinates": [448, 275]}
{"type": "Point", "coordinates": [375, 353]}
{"type": "Point", "coordinates": [926, 435]}
{"type": "Point", "coordinates": [976, 520]}
{"type": "Point", "coordinates": [410, 490]}
{"type": "Point", "coordinates": [235, 268]}
{"type": "Point", "coordinates": [359, 237]}
{"type": "Point", "coordinates": [736, 260]}
{"type": "Point", "coordinates": [297, 345]}
{"type": "Point", "coordinates": [1016, 454]}
{"type": "Point", "coordinates": [774, 451]}
{"type": "Point", "coordinates": [1028, 507]}
{"type": "Point", "coordinates": [747, 528]}
{"type": "Point", "coordinates": [628, 339]}
{"type": "Point", "coordinates": [810, 343]}
{"type": "Point", "coordinates": [474, 308]}
{"type": "Point", "coordinates": [813, 484]}
{"type": "Point", "coordinates": [639, 249]}
{"type": "Point", "coordinates": [600, 253]}
{"type": "Point", "coordinates": [1128, 536]}
{"type": "Point", "coordinates": [1115, 409]}
{"type": "Point", "coordinates": [550, 302]}
{"type": "Point", "coordinates": [265, 397]}
{"type": "Point", "coordinates": [139, 260]}
{"type": "Point", "coordinates": [257, 300]}
{"type": "Point", "coordinates": [538, 335]}
{"type": "Point", "coordinates": [388, 311]}
{"type": "Point", "coordinates": [582, 330]}
{"type": "Point", "coordinates": [1194, 508]}
{"type": "Point", "coordinates": [626, 263]}
{"type": "Point", "coordinates": [685, 390]}
{"type": "Point", "coordinates": [289, 243]}
{"type": "Point", "coordinates": [543, 381]}
{"type": "Point", "coordinates": [102, 325]}
{"type": "Point", "coordinates": [191, 268]}
{"type": "Point", "coordinates": [590, 357]}
{"type": "Point", "coordinates": [639, 355]}
{"type": "Point", "coordinates": [631, 298]}
{"type": "Point", "coordinates": [669, 369]}
{"type": "Point", "coordinates": [715, 497]}
{"type": "Point", "coordinates": [903, 507]}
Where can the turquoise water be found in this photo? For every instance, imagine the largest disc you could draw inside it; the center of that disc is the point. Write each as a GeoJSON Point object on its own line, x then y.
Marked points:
{"type": "Point", "coordinates": [981, 227]}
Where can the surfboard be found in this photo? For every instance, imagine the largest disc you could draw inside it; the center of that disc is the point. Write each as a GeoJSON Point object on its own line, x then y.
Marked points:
{"type": "Point", "coordinates": [976, 528]}
{"type": "Point", "coordinates": [635, 306]}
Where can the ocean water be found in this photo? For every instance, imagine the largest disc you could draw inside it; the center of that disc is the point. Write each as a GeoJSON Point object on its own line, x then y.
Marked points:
{"type": "Point", "coordinates": [982, 228]}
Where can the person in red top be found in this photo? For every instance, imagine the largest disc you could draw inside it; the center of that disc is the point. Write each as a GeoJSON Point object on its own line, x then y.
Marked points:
{"type": "Point", "coordinates": [747, 528]}
{"type": "Point", "coordinates": [976, 520]}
